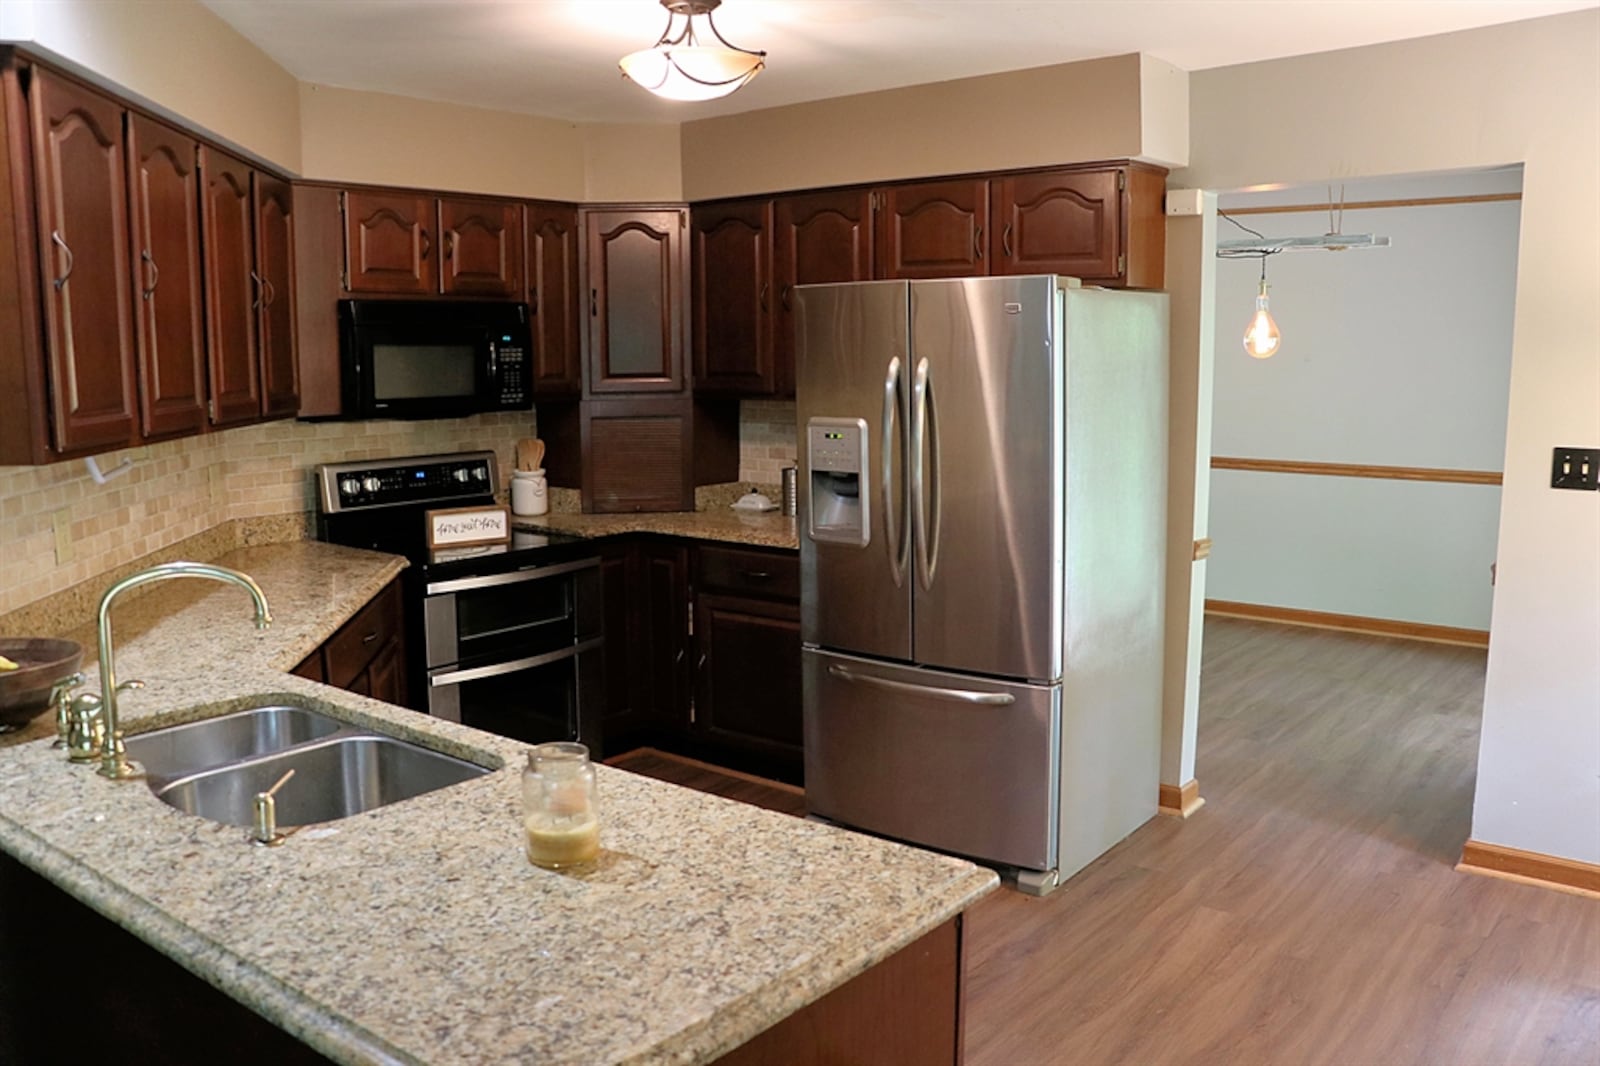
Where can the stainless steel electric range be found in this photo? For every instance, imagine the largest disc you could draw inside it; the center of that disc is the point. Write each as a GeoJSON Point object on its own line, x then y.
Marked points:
{"type": "Point", "coordinates": [503, 637]}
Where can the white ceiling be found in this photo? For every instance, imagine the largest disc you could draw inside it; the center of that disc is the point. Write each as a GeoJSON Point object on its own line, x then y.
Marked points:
{"type": "Point", "coordinates": [558, 57]}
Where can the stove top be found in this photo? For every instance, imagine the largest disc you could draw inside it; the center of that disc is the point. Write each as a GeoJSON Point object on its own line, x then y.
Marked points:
{"type": "Point", "coordinates": [382, 504]}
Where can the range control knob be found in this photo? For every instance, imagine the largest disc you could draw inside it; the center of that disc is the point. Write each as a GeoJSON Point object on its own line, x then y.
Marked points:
{"type": "Point", "coordinates": [371, 484]}
{"type": "Point", "coordinates": [461, 473]}
{"type": "Point", "coordinates": [349, 486]}
{"type": "Point", "coordinates": [480, 473]}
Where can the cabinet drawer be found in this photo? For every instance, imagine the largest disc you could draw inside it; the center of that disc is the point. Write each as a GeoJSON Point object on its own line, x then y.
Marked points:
{"type": "Point", "coordinates": [348, 651]}
{"type": "Point", "coordinates": [755, 573]}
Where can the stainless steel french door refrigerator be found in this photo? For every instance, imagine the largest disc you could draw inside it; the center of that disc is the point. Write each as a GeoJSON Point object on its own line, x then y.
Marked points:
{"type": "Point", "coordinates": [982, 545]}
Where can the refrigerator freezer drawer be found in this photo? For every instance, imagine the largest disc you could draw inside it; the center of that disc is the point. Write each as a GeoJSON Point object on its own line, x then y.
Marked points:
{"type": "Point", "coordinates": [962, 764]}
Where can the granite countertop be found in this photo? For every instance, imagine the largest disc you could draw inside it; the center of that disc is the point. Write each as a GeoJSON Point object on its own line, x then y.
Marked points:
{"type": "Point", "coordinates": [770, 530]}
{"type": "Point", "coordinates": [419, 932]}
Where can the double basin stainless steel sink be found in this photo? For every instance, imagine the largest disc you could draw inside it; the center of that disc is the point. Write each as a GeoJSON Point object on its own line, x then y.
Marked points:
{"type": "Point", "coordinates": [215, 767]}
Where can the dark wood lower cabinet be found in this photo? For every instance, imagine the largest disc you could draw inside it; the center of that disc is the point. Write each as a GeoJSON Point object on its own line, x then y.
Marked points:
{"type": "Point", "coordinates": [906, 1009]}
{"type": "Point", "coordinates": [367, 654]}
{"type": "Point", "coordinates": [703, 652]}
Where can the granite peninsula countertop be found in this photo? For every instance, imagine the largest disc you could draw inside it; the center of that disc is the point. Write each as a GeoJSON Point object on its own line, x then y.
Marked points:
{"type": "Point", "coordinates": [770, 530]}
{"type": "Point", "coordinates": [419, 932]}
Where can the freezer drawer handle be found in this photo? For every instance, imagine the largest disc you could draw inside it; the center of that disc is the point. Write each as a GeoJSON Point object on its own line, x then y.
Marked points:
{"type": "Point", "coordinates": [988, 699]}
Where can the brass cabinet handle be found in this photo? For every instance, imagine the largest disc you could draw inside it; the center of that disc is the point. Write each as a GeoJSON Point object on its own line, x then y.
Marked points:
{"type": "Point", "coordinates": [55, 236]}
{"type": "Point", "coordinates": [427, 243]}
{"type": "Point", "coordinates": [260, 291]}
{"type": "Point", "coordinates": [764, 287]}
{"type": "Point", "coordinates": [449, 245]}
{"type": "Point", "coordinates": [977, 242]}
{"type": "Point", "coordinates": [783, 294]}
{"type": "Point", "coordinates": [1005, 241]}
{"type": "Point", "coordinates": [154, 271]}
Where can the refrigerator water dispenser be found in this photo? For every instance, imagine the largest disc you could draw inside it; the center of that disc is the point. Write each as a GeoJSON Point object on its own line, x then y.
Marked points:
{"type": "Point", "coordinates": [836, 463]}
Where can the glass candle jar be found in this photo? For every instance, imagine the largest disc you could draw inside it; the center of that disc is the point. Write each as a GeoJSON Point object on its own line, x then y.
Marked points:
{"type": "Point", "coordinates": [560, 808]}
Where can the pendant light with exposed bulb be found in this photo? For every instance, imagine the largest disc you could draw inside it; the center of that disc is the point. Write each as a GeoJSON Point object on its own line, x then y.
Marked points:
{"type": "Point", "coordinates": [680, 67]}
{"type": "Point", "coordinates": [1261, 337]}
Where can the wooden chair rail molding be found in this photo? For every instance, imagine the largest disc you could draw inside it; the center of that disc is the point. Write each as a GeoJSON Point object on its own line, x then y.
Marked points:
{"type": "Point", "coordinates": [1369, 205]}
{"type": "Point", "coordinates": [1390, 473]}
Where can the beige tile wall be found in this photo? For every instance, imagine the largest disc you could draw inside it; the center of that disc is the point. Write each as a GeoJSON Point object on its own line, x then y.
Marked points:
{"type": "Point", "coordinates": [767, 440]}
{"type": "Point", "coordinates": [180, 488]}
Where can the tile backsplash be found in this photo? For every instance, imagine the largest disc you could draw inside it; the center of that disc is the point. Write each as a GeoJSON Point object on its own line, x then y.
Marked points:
{"type": "Point", "coordinates": [767, 440]}
{"type": "Point", "coordinates": [180, 488]}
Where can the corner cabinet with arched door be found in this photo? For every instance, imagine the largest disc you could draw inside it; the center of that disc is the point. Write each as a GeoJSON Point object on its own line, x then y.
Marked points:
{"type": "Point", "coordinates": [635, 263]}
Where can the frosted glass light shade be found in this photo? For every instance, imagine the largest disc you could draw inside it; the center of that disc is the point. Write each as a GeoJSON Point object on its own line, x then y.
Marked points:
{"type": "Point", "coordinates": [690, 72]}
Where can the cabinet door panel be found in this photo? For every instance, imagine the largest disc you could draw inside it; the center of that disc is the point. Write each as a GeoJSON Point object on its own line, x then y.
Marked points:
{"type": "Point", "coordinates": [732, 298]}
{"type": "Point", "coordinates": [934, 229]}
{"type": "Point", "coordinates": [164, 195]}
{"type": "Point", "coordinates": [389, 243]}
{"type": "Point", "coordinates": [482, 248]}
{"type": "Point", "coordinates": [81, 186]}
{"type": "Point", "coordinates": [553, 299]}
{"type": "Point", "coordinates": [636, 272]}
{"type": "Point", "coordinates": [1063, 223]}
{"type": "Point", "coordinates": [280, 367]}
{"type": "Point", "coordinates": [748, 682]}
{"type": "Point", "coordinates": [665, 576]}
{"type": "Point", "coordinates": [232, 289]}
{"type": "Point", "coordinates": [821, 237]}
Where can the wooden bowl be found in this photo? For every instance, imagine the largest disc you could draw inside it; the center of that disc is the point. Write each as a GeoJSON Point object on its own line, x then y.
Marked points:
{"type": "Point", "coordinates": [42, 661]}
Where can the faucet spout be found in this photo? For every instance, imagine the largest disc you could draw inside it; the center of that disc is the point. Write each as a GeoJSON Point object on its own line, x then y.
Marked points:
{"type": "Point", "coordinates": [113, 760]}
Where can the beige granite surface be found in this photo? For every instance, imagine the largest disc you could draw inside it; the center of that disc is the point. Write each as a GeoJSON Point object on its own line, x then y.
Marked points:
{"type": "Point", "coordinates": [771, 530]}
{"type": "Point", "coordinates": [418, 932]}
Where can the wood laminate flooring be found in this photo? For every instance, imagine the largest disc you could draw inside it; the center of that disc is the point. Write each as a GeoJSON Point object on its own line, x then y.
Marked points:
{"type": "Point", "coordinates": [1310, 912]}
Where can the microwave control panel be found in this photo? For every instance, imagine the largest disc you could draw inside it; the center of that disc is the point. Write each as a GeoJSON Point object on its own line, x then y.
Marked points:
{"type": "Point", "coordinates": [511, 373]}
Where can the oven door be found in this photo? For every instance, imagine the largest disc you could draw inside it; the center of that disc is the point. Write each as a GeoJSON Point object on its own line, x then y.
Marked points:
{"type": "Point", "coordinates": [502, 617]}
{"type": "Point", "coordinates": [536, 699]}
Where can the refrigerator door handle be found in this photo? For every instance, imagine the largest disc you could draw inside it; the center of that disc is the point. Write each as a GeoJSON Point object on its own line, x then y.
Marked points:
{"type": "Point", "coordinates": [925, 475]}
{"type": "Point", "coordinates": [987, 699]}
{"type": "Point", "coordinates": [896, 539]}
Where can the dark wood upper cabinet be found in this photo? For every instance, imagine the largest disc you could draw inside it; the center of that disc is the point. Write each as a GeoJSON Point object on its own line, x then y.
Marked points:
{"type": "Point", "coordinates": [553, 299]}
{"type": "Point", "coordinates": [232, 289]}
{"type": "Point", "coordinates": [164, 197]}
{"type": "Point", "coordinates": [821, 237]}
{"type": "Point", "coordinates": [389, 243]}
{"type": "Point", "coordinates": [81, 185]}
{"type": "Point", "coordinates": [280, 369]}
{"type": "Point", "coordinates": [636, 266]}
{"type": "Point", "coordinates": [1060, 223]}
{"type": "Point", "coordinates": [933, 229]}
{"type": "Point", "coordinates": [482, 253]}
{"type": "Point", "coordinates": [731, 257]}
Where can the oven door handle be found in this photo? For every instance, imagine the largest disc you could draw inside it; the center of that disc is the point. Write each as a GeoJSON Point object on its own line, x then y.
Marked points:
{"type": "Point", "coordinates": [537, 573]}
{"type": "Point", "coordinates": [456, 677]}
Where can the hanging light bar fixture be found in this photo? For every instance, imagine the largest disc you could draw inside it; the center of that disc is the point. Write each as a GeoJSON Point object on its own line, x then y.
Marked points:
{"type": "Point", "coordinates": [680, 67]}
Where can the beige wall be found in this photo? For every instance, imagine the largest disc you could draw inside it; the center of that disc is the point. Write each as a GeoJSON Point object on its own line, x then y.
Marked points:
{"type": "Point", "coordinates": [632, 162]}
{"type": "Point", "coordinates": [1524, 92]}
{"type": "Point", "coordinates": [1068, 113]}
{"type": "Point", "coordinates": [178, 56]}
{"type": "Point", "coordinates": [376, 138]}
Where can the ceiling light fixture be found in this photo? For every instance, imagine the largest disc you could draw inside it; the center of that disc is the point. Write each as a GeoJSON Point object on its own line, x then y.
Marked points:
{"type": "Point", "coordinates": [1261, 337]}
{"type": "Point", "coordinates": [679, 67]}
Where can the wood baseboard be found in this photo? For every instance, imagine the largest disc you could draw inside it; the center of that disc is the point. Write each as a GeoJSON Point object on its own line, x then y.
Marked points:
{"type": "Point", "coordinates": [1351, 623]}
{"type": "Point", "coordinates": [1530, 868]}
{"type": "Point", "coordinates": [1180, 801]}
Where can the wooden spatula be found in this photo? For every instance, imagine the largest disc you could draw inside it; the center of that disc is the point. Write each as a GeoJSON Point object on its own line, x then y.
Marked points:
{"type": "Point", "coordinates": [525, 456]}
{"type": "Point", "coordinates": [538, 455]}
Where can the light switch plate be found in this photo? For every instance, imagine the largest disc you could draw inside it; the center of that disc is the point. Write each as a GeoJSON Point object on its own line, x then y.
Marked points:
{"type": "Point", "coordinates": [1575, 468]}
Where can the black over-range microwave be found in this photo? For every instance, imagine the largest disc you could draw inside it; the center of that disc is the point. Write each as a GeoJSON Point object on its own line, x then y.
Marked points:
{"type": "Point", "coordinates": [433, 359]}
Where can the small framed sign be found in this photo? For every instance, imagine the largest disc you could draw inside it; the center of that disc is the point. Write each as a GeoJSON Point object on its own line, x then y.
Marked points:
{"type": "Point", "coordinates": [451, 527]}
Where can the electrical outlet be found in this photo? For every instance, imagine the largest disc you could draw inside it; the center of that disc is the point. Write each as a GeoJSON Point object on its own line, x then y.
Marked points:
{"type": "Point", "coordinates": [1575, 468]}
{"type": "Point", "coordinates": [61, 522]}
